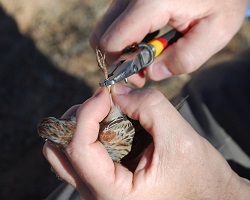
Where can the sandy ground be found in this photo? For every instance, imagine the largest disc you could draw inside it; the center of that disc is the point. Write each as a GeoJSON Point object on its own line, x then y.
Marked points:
{"type": "Point", "coordinates": [46, 66]}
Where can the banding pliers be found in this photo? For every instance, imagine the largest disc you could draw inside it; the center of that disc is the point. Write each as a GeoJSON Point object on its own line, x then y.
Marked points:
{"type": "Point", "coordinates": [138, 56]}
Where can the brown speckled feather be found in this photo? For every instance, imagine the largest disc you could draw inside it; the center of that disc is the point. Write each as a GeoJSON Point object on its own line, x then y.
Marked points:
{"type": "Point", "coordinates": [123, 138]}
{"type": "Point", "coordinates": [57, 132]}
{"type": "Point", "coordinates": [116, 134]}
{"type": "Point", "coordinates": [116, 130]}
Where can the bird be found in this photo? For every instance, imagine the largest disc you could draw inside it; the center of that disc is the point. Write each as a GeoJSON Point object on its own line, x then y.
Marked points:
{"type": "Point", "coordinates": [116, 132]}
{"type": "Point", "coordinates": [124, 138]}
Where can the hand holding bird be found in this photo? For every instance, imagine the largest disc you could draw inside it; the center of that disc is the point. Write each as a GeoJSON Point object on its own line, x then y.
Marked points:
{"type": "Point", "coordinates": [116, 131]}
{"type": "Point", "coordinates": [178, 164]}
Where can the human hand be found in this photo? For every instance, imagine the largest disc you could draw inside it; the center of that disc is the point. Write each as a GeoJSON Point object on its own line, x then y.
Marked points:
{"type": "Point", "coordinates": [208, 25]}
{"type": "Point", "coordinates": [178, 165]}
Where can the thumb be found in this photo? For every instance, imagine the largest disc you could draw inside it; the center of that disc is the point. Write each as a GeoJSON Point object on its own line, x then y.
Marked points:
{"type": "Point", "coordinates": [190, 51]}
{"type": "Point", "coordinates": [154, 112]}
{"type": "Point", "coordinates": [89, 157]}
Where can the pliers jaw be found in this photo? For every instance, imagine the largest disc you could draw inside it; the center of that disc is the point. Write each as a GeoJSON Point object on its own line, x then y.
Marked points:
{"type": "Point", "coordinates": [134, 59]}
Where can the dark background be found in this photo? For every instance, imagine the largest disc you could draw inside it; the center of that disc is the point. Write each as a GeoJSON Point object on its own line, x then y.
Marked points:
{"type": "Point", "coordinates": [46, 66]}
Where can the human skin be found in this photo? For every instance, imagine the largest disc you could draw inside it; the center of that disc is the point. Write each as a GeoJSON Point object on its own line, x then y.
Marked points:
{"type": "Point", "coordinates": [179, 164]}
{"type": "Point", "coordinates": [208, 25]}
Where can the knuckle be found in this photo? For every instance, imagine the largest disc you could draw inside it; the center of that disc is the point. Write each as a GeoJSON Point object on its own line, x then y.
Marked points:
{"type": "Point", "coordinates": [73, 150]}
{"type": "Point", "coordinates": [149, 101]}
{"type": "Point", "coordinates": [153, 103]}
{"type": "Point", "coordinates": [153, 98]}
{"type": "Point", "coordinates": [185, 62]}
{"type": "Point", "coordinates": [188, 147]}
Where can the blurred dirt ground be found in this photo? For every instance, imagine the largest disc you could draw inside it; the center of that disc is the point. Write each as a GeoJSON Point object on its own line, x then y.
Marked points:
{"type": "Point", "coordinates": [46, 66]}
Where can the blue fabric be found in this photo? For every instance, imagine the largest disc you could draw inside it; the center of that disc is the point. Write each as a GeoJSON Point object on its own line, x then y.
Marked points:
{"type": "Point", "coordinates": [248, 11]}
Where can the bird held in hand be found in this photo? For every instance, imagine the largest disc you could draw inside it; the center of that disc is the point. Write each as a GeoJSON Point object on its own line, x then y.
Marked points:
{"type": "Point", "coordinates": [116, 131]}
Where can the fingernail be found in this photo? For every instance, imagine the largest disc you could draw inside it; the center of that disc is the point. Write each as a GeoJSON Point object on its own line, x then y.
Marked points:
{"type": "Point", "coordinates": [160, 71]}
{"type": "Point", "coordinates": [121, 89]}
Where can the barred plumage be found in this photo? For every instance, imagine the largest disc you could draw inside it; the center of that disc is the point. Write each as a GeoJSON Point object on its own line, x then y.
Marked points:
{"type": "Point", "coordinates": [57, 131]}
{"type": "Point", "coordinates": [116, 135]}
{"type": "Point", "coordinates": [116, 130]}
{"type": "Point", "coordinates": [123, 138]}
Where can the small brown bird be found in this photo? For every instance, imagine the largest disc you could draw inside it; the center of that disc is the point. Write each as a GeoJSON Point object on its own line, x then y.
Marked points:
{"type": "Point", "coordinates": [116, 131]}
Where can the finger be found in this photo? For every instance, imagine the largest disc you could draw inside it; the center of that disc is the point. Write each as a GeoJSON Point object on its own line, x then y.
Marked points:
{"type": "Point", "coordinates": [114, 10]}
{"type": "Point", "coordinates": [190, 51]}
{"type": "Point", "coordinates": [138, 79]}
{"type": "Point", "coordinates": [160, 119]}
{"type": "Point", "coordinates": [154, 112]}
{"type": "Point", "coordinates": [65, 170]}
{"type": "Point", "coordinates": [146, 159]}
{"type": "Point", "coordinates": [98, 103]}
{"type": "Point", "coordinates": [127, 29]}
{"type": "Point", "coordinates": [88, 156]}
{"type": "Point", "coordinates": [61, 164]}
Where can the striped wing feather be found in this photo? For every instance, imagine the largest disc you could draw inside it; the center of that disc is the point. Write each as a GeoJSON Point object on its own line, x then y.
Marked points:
{"type": "Point", "coordinates": [117, 137]}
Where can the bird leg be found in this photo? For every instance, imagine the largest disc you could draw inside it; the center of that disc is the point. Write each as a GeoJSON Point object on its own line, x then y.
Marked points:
{"type": "Point", "coordinates": [100, 58]}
